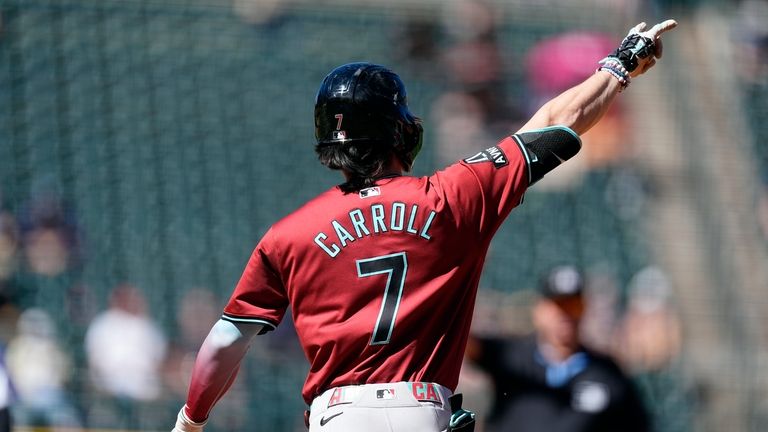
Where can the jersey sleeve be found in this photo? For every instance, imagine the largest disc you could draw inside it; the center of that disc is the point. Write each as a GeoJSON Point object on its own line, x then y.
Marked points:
{"type": "Point", "coordinates": [260, 296]}
{"type": "Point", "coordinates": [484, 188]}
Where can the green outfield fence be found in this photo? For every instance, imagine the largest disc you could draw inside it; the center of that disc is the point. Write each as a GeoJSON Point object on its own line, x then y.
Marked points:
{"type": "Point", "coordinates": [162, 138]}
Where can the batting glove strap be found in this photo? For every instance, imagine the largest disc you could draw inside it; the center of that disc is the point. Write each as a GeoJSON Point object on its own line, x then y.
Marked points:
{"type": "Point", "coordinates": [634, 47]}
{"type": "Point", "coordinates": [184, 424]}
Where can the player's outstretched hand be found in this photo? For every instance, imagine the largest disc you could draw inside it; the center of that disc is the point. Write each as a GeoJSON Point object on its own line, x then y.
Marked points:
{"type": "Point", "coordinates": [640, 49]}
{"type": "Point", "coordinates": [184, 424]}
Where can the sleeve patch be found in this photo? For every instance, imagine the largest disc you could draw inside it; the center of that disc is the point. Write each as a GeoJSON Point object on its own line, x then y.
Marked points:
{"type": "Point", "coordinates": [492, 154]}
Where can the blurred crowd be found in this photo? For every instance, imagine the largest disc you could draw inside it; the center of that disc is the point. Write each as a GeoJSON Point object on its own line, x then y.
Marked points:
{"type": "Point", "coordinates": [73, 357]}
{"type": "Point", "coordinates": [637, 326]}
{"type": "Point", "coordinates": [69, 362]}
{"type": "Point", "coordinates": [77, 356]}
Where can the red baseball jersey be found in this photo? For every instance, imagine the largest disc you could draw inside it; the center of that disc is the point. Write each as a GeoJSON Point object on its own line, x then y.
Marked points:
{"type": "Point", "coordinates": [382, 283]}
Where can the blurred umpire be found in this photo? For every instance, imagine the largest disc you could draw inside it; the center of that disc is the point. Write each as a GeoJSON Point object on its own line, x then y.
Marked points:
{"type": "Point", "coordinates": [381, 272]}
{"type": "Point", "coordinates": [548, 381]}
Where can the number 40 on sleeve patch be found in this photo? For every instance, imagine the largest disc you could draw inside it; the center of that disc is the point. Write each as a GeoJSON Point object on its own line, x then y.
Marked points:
{"type": "Point", "coordinates": [491, 154]}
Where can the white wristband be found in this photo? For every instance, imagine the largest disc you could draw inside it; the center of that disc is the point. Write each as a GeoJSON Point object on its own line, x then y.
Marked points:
{"type": "Point", "coordinates": [184, 424]}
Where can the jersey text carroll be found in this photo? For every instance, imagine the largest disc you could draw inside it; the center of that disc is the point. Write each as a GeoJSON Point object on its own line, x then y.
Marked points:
{"type": "Point", "coordinates": [399, 217]}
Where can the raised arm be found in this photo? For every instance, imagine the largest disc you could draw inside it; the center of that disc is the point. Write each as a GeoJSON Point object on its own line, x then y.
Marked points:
{"type": "Point", "coordinates": [582, 106]}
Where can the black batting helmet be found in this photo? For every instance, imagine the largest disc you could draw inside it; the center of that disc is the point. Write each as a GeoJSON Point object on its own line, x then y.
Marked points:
{"type": "Point", "coordinates": [366, 102]}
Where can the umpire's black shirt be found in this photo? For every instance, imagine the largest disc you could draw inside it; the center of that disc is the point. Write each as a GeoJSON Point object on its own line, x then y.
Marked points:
{"type": "Point", "coordinates": [589, 393]}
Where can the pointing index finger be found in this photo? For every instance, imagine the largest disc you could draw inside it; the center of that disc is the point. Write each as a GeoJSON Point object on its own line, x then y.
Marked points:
{"type": "Point", "coordinates": [662, 27]}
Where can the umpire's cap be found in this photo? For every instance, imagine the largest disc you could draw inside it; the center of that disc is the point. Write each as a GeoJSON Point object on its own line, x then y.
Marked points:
{"type": "Point", "coordinates": [562, 281]}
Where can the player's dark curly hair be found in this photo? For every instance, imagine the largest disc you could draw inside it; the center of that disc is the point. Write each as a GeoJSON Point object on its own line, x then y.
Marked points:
{"type": "Point", "coordinates": [364, 161]}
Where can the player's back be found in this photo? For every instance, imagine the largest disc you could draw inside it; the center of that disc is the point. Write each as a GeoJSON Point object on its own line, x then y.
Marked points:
{"type": "Point", "coordinates": [381, 283]}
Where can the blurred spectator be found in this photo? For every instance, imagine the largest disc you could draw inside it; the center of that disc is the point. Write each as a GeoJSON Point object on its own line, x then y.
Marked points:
{"type": "Point", "coordinates": [474, 111]}
{"type": "Point", "coordinates": [50, 254]}
{"type": "Point", "coordinates": [47, 210]}
{"type": "Point", "coordinates": [650, 334]}
{"type": "Point", "coordinates": [46, 252]}
{"type": "Point", "coordinates": [460, 126]}
{"type": "Point", "coordinates": [649, 345]}
{"type": "Point", "coordinates": [417, 45]}
{"type": "Point", "coordinates": [473, 60]}
{"type": "Point", "coordinates": [548, 380]}
{"type": "Point", "coordinates": [125, 348]}
{"type": "Point", "coordinates": [40, 369]}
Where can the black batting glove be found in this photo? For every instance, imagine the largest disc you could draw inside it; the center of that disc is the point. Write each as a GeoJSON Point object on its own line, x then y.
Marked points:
{"type": "Point", "coordinates": [640, 48]}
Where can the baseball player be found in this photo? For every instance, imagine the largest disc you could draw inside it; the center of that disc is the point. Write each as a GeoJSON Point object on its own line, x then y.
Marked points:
{"type": "Point", "coordinates": [381, 271]}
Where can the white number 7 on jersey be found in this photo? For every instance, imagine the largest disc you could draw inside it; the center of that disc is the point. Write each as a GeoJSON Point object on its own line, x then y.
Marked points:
{"type": "Point", "coordinates": [395, 266]}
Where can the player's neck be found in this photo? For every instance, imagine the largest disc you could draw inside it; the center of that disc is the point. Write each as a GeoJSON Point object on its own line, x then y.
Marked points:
{"type": "Point", "coordinates": [388, 175]}
{"type": "Point", "coordinates": [393, 168]}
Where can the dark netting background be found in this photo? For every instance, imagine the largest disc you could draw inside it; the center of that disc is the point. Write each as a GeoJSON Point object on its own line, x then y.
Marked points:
{"type": "Point", "coordinates": [151, 143]}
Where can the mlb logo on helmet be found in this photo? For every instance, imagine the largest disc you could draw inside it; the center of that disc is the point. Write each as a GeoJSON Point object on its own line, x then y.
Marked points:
{"type": "Point", "coordinates": [339, 135]}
